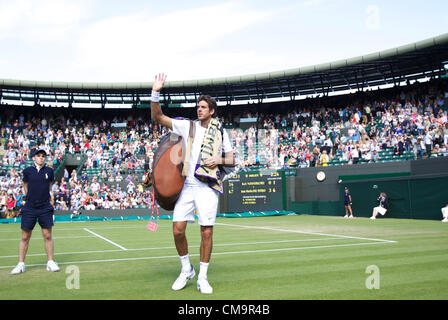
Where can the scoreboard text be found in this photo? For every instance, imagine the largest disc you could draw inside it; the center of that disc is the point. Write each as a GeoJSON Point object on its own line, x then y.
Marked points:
{"type": "Point", "coordinates": [255, 192]}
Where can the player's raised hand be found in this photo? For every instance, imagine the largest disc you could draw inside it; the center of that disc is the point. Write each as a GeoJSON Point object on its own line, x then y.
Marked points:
{"type": "Point", "coordinates": [159, 81]}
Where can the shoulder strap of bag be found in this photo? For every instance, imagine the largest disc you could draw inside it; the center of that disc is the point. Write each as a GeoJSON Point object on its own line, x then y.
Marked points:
{"type": "Point", "coordinates": [188, 151]}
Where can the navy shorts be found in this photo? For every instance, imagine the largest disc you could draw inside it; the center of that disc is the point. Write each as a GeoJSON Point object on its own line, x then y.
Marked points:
{"type": "Point", "coordinates": [42, 214]}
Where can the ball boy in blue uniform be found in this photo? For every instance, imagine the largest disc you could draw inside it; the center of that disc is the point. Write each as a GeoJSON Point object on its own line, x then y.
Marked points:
{"type": "Point", "coordinates": [348, 203]}
{"type": "Point", "coordinates": [37, 182]}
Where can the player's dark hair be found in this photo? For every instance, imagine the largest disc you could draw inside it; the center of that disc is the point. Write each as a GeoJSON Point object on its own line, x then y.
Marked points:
{"type": "Point", "coordinates": [211, 103]}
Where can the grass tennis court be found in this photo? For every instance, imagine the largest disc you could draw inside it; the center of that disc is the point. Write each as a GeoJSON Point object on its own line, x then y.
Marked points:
{"type": "Point", "coordinates": [282, 257]}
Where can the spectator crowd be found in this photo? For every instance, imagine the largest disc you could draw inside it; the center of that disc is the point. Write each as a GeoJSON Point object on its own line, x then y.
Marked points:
{"type": "Point", "coordinates": [354, 129]}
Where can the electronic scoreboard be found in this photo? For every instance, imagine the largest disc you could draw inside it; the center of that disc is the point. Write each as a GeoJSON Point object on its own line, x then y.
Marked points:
{"type": "Point", "coordinates": [250, 191]}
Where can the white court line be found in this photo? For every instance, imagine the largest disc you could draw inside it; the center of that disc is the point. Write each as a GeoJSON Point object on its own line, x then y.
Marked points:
{"type": "Point", "coordinates": [331, 237]}
{"type": "Point", "coordinates": [214, 254]}
{"type": "Point", "coordinates": [105, 239]}
{"type": "Point", "coordinates": [173, 247]}
{"type": "Point", "coordinates": [40, 238]}
{"type": "Point", "coordinates": [304, 232]}
{"type": "Point", "coordinates": [55, 228]}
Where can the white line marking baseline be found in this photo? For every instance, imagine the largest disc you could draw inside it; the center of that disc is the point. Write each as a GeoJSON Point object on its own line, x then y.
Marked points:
{"type": "Point", "coordinates": [328, 237]}
{"type": "Point", "coordinates": [215, 254]}
{"type": "Point", "coordinates": [304, 232]}
{"type": "Point", "coordinates": [172, 247]}
{"type": "Point", "coordinates": [40, 238]}
{"type": "Point", "coordinates": [105, 239]}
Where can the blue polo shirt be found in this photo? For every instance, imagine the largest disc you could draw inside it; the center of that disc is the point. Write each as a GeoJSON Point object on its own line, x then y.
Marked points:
{"type": "Point", "coordinates": [347, 198]}
{"type": "Point", "coordinates": [38, 185]}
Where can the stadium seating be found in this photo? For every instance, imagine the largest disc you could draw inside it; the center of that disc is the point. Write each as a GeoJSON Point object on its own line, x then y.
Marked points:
{"type": "Point", "coordinates": [291, 146]}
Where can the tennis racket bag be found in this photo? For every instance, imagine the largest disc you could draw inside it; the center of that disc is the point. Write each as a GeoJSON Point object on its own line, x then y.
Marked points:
{"type": "Point", "coordinates": [166, 176]}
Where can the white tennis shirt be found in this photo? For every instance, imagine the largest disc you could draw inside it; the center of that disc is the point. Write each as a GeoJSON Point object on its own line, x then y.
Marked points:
{"type": "Point", "coordinates": [182, 128]}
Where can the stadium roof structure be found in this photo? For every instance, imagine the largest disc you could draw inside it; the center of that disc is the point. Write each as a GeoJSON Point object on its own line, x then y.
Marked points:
{"type": "Point", "coordinates": [419, 60]}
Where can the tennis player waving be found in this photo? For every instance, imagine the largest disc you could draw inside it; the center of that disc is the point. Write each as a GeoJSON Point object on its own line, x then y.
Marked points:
{"type": "Point", "coordinates": [202, 184]}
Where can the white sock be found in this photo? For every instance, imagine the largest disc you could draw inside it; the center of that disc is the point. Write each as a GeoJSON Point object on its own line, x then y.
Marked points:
{"type": "Point", "coordinates": [203, 267]}
{"type": "Point", "coordinates": [185, 261]}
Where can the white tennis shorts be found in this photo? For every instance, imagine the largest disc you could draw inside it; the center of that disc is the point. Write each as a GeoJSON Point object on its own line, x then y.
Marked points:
{"type": "Point", "coordinates": [381, 210]}
{"type": "Point", "coordinates": [445, 212]}
{"type": "Point", "coordinates": [202, 198]}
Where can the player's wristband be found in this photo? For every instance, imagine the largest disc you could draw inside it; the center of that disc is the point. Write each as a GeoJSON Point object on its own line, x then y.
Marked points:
{"type": "Point", "coordinates": [155, 96]}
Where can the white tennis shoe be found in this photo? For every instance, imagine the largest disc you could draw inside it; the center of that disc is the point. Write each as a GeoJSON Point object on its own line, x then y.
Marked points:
{"type": "Point", "coordinates": [19, 268]}
{"type": "Point", "coordinates": [203, 286]}
{"type": "Point", "coordinates": [183, 278]}
{"type": "Point", "coordinates": [52, 266]}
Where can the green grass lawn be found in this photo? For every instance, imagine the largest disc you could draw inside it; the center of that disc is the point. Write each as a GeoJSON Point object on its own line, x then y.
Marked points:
{"type": "Point", "coordinates": [282, 257]}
